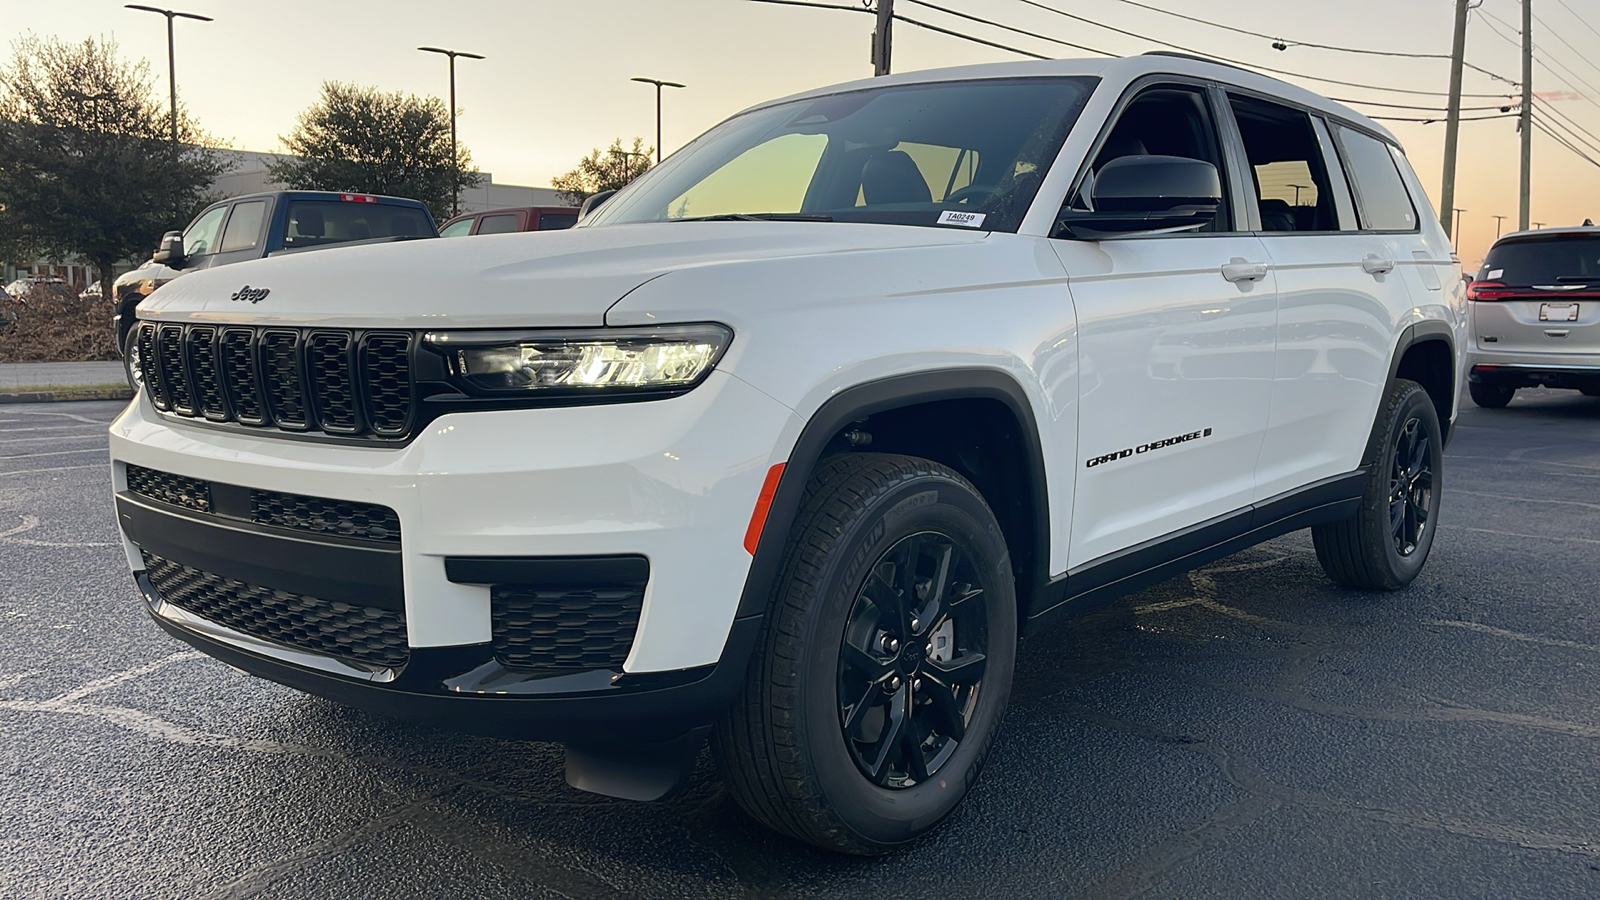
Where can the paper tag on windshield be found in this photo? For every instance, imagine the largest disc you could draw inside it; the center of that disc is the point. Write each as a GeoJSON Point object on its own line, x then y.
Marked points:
{"type": "Point", "coordinates": [966, 219]}
{"type": "Point", "coordinates": [1494, 274]}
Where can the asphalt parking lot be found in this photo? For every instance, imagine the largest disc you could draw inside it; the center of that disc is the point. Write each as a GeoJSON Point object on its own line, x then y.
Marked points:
{"type": "Point", "coordinates": [1246, 730]}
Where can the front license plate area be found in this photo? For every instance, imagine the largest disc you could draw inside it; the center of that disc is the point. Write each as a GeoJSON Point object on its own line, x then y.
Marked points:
{"type": "Point", "coordinates": [1558, 312]}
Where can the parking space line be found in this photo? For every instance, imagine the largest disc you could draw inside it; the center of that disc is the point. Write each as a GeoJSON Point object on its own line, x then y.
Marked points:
{"type": "Point", "coordinates": [111, 681]}
{"type": "Point", "coordinates": [57, 453]}
{"type": "Point", "coordinates": [61, 469]}
{"type": "Point", "coordinates": [1514, 635]}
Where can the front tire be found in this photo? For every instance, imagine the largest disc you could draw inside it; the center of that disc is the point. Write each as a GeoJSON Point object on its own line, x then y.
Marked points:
{"type": "Point", "coordinates": [1490, 396]}
{"type": "Point", "coordinates": [1384, 545]}
{"type": "Point", "coordinates": [886, 662]}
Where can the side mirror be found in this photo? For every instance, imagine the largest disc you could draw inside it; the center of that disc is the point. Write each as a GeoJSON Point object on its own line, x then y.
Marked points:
{"type": "Point", "coordinates": [1146, 194]}
{"type": "Point", "coordinates": [170, 254]}
{"type": "Point", "coordinates": [592, 203]}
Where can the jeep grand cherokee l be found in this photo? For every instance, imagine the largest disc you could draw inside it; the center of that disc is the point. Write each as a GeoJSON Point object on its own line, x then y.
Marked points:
{"type": "Point", "coordinates": [786, 444]}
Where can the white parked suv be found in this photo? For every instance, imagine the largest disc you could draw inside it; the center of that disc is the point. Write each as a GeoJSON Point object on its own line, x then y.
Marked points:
{"type": "Point", "coordinates": [791, 439]}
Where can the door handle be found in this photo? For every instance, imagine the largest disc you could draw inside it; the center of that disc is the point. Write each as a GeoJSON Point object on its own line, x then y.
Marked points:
{"type": "Point", "coordinates": [1376, 265]}
{"type": "Point", "coordinates": [1237, 270]}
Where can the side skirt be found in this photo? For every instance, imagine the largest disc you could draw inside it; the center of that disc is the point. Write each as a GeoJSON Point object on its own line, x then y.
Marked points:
{"type": "Point", "coordinates": [1098, 582]}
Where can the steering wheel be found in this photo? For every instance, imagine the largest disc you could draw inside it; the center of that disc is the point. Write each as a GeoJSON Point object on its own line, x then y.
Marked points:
{"type": "Point", "coordinates": [962, 195]}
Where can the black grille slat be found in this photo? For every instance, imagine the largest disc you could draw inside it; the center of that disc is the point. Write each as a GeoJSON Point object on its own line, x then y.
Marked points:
{"type": "Point", "coordinates": [200, 342]}
{"type": "Point", "coordinates": [281, 369]}
{"type": "Point", "coordinates": [329, 370]}
{"type": "Point", "coordinates": [174, 372]}
{"type": "Point", "coordinates": [236, 354]}
{"type": "Point", "coordinates": [341, 382]}
{"type": "Point", "coordinates": [357, 634]}
{"type": "Point", "coordinates": [386, 371]}
{"type": "Point", "coordinates": [177, 490]}
{"type": "Point", "coordinates": [551, 630]}
{"type": "Point", "coordinates": [345, 518]}
{"type": "Point", "coordinates": [150, 367]}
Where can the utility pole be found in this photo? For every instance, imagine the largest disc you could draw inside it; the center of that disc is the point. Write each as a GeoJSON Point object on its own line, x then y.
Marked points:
{"type": "Point", "coordinates": [1497, 226]}
{"type": "Point", "coordinates": [455, 161]}
{"type": "Point", "coordinates": [172, 65]}
{"type": "Point", "coordinates": [1526, 121]}
{"type": "Point", "coordinates": [881, 37]}
{"type": "Point", "coordinates": [659, 85]}
{"type": "Point", "coordinates": [1452, 126]}
{"type": "Point", "coordinates": [1455, 242]}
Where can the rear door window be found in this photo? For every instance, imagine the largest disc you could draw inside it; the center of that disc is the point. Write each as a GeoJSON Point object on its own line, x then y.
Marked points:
{"type": "Point", "coordinates": [1291, 181]}
{"type": "Point", "coordinates": [1554, 260]}
{"type": "Point", "coordinates": [457, 229]}
{"type": "Point", "coordinates": [1381, 197]}
{"type": "Point", "coordinates": [244, 226]}
{"type": "Point", "coordinates": [497, 224]}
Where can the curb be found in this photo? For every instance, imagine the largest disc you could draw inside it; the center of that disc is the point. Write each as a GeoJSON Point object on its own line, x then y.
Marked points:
{"type": "Point", "coordinates": [64, 394]}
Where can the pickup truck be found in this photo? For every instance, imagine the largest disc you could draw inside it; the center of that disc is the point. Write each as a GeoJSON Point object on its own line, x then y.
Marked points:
{"type": "Point", "coordinates": [267, 224]}
{"type": "Point", "coordinates": [511, 219]}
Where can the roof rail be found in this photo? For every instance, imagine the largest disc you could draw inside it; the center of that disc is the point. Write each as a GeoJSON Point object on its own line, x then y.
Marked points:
{"type": "Point", "coordinates": [1205, 59]}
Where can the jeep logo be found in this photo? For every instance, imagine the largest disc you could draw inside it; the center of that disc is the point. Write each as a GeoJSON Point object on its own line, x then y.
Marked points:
{"type": "Point", "coordinates": [249, 294]}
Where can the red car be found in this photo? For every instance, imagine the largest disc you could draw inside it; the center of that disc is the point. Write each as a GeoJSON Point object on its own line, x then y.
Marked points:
{"type": "Point", "coordinates": [515, 218]}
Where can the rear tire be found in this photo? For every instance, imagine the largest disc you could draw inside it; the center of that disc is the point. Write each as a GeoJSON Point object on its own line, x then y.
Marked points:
{"type": "Point", "coordinates": [864, 720]}
{"type": "Point", "coordinates": [1490, 396]}
{"type": "Point", "coordinates": [1385, 544]}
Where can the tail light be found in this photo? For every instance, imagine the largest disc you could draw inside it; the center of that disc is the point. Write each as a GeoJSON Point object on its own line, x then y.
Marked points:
{"type": "Point", "coordinates": [1488, 290]}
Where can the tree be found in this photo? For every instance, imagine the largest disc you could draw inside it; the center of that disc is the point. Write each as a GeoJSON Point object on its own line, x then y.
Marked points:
{"type": "Point", "coordinates": [87, 165]}
{"type": "Point", "coordinates": [604, 170]}
{"type": "Point", "coordinates": [361, 140]}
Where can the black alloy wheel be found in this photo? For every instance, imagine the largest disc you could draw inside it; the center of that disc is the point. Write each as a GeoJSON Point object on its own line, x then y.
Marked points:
{"type": "Point", "coordinates": [912, 660]}
{"type": "Point", "coordinates": [1383, 545]}
{"type": "Point", "coordinates": [1411, 488]}
{"type": "Point", "coordinates": [885, 662]}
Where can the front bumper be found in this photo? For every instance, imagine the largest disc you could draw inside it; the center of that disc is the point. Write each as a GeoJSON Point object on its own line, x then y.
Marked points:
{"type": "Point", "coordinates": [671, 482]}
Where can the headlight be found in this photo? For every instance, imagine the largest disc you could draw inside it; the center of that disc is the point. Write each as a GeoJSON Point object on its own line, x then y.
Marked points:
{"type": "Point", "coordinates": [669, 358]}
{"type": "Point", "coordinates": [133, 360]}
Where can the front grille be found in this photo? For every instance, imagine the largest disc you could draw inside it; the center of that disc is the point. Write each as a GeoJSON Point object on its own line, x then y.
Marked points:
{"type": "Point", "coordinates": [356, 634]}
{"type": "Point", "coordinates": [324, 516]}
{"type": "Point", "coordinates": [547, 630]}
{"type": "Point", "coordinates": [339, 382]}
{"type": "Point", "coordinates": [178, 490]}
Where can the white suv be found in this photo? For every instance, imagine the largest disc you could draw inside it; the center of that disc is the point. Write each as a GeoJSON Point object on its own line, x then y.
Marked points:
{"type": "Point", "coordinates": [789, 441]}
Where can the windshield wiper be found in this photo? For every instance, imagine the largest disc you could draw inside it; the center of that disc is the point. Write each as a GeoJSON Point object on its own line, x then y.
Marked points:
{"type": "Point", "coordinates": [760, 217]}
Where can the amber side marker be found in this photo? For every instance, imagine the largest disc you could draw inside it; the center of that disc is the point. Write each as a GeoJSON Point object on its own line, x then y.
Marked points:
{"type": "Point", "coordinates": [758, 516]}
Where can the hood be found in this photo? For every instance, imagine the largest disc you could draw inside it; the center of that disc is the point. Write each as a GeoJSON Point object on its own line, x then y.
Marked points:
{"type": "Point", "coordinates": [526, 280]}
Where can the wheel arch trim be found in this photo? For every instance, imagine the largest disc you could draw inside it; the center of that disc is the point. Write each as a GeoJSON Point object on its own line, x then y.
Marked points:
{"type": "Point", "coordinates": [1428, 331]}
{"type": "Point", "coordinates": [882, 395]}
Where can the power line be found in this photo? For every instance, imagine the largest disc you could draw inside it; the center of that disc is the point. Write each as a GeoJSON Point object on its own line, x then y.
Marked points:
{"type": "Point", "coordinates": [1441, 118]}
{"type": "Point", "coordinates": [1578, 17]}
{"type": "Point", "coordinates": [1570, 134]}
{"type": "Point", "coordinates": [1557, 35]}
{"type": "Point", "coordinates": [1287, 43]}
{"type": "Point", "coordinates": [1233, 62]}
{"type": "Point", "coordinates": [1033, 34]}
{"type": "Point", "coordinates": [1543, 61]}
{"type": "Point", "coordinates": [976, 40]}
{"type": "Point", "coordinates": [1551, 108]}
{"type": "Point", "coordinates": [1502, 107]}
{"type": "Point", "coordinates": [1567, 144]}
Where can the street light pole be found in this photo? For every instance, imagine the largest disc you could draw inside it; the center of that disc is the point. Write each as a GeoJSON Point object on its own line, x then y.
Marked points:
{"type": "Point", "coordinates": [1455, 233]}
{"type": "Point", "coordinates": [1497, 220]}
{"type": "Point", "coordinates": [455, 162]}
{"type": "Point", "coordinates": [1297, 189]}
{"type": "Point", "coordinates": [659, 85]}
{"type": "Point", "coordinates": [172, 65]}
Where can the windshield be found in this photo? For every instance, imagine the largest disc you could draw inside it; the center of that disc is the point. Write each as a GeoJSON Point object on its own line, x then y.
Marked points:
{"type": "Point", "coordinates": [1550, 260]}
{"type": "Point", "coordinates": [955, 154]}
{"type": "Point", "coordinates": [316, 223]}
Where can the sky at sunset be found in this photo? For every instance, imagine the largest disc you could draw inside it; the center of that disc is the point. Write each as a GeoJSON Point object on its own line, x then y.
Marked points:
{"type": "Point", "coordinates": [555, 83]}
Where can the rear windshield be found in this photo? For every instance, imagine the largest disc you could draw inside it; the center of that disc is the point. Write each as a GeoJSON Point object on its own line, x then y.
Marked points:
{"type": "Point", "coordinates": [1551, 260]}
{"type": "Point", "coordinates": [957, 154]}
{"type": "Point", "coordinates": [317, 223]}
